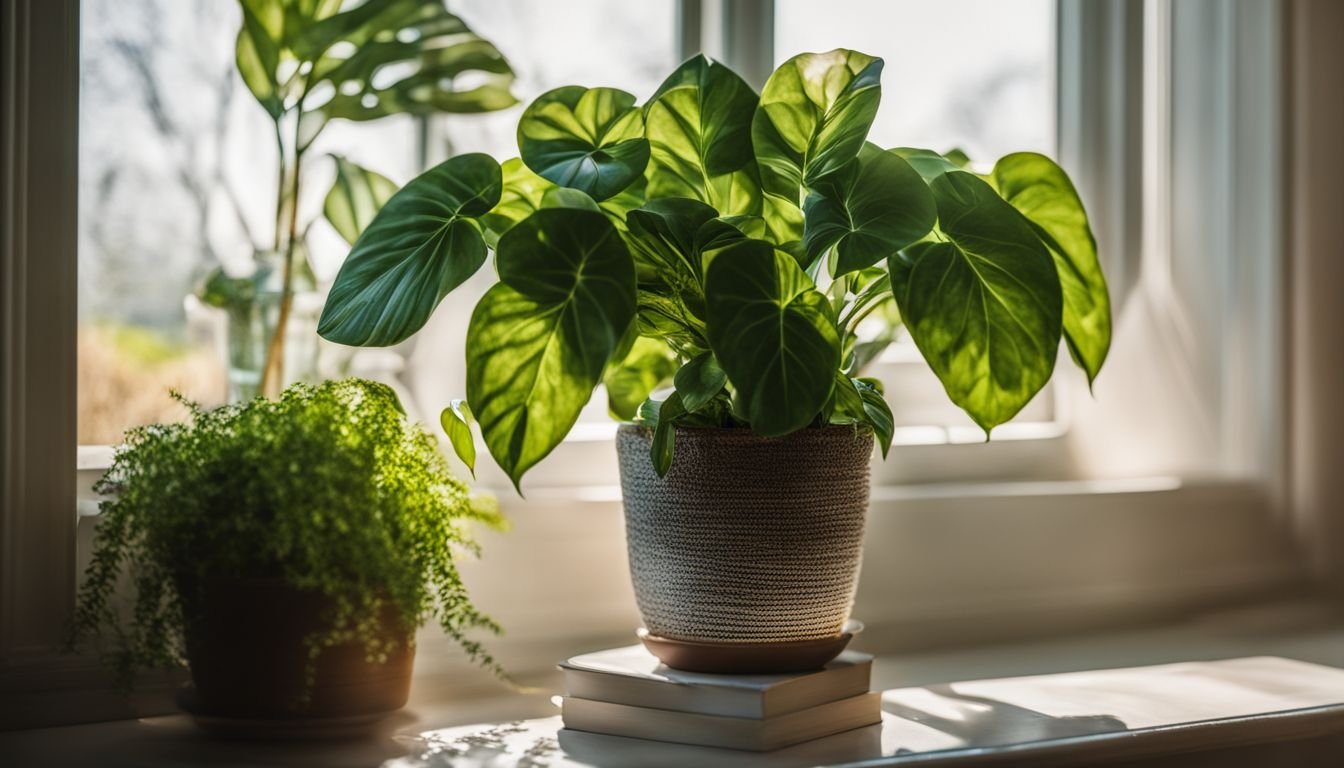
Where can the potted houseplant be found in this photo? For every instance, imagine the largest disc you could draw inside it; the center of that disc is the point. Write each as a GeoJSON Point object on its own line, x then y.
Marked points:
{"type": "Point", "coordinates": [731, 243]}
{"type": "Point", "coordinates": [307, 63]}
{"type": "Point", "coordinates": [285, 550]}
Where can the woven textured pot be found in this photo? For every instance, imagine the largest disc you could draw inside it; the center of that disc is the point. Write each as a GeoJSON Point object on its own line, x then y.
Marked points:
{"type": "Point", "coordinates": [747, 539]}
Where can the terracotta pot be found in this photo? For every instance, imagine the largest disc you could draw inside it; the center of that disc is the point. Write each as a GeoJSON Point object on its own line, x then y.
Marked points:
{"type": "Point", "coordinates": [747, 539]}
{"type": "Point", "coordinates": [247, 653]}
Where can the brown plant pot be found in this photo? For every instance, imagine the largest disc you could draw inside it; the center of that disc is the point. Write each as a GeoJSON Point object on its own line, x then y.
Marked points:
{"type": "Point", "coordinates": [248, 658]}
{"type": "Point", "coordinates": [746, 540]}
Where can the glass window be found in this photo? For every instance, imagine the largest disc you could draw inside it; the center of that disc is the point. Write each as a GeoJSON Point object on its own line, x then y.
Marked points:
{"type": "Point", "coordinates": [178, 173]}
{"type": "Point", "coordinates": [986, 87]}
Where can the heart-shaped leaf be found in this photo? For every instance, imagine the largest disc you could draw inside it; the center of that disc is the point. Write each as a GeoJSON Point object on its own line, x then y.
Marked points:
{"type": "Point", "coordinates": [456, 420]}
{"type": "Point", "coordinates": [540, 339]}
{"type": "Point", "coordinates": [355, 198]}
{"type": "Point", "coordinates": [814, 115]}
{"type": "Point", "coordinates": [588, 139]}
{"type": "Point", "coordinates": [773, 333]}
{"type": "Point", "coordinates": [422, 244]}
{"type": "Point", "coordinates": [984, 308]}
{"type": "Point", "coordinates": [523, 191]}
{"type": "Point", "coordinates": [1036, 186]}
{"type": "Point", "coordinates": [698, 124]}
{"type": "Point", "coordinates": [869, 208]}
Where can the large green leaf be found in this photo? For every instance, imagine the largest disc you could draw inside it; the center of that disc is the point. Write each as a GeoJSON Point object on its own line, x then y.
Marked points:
{"type": "Point", "coordinates": [588, 139]}
{"type": "Point", "coordinates": [422, 244]}
{"type": "Point", "coordinates": [868, 209]}
{"type": "Point", "coordinates": [698, 124]}
{"type": "Point", "coordinates": [258, 52]}
{"type": "Point", "coordinates": [699, 381]}
{"type": "Point", "coordinates": [928, 163]}
{"type": "Point", "coordinates": [539, 340]}
{"type": "Point", "coordinates": [523, 191]}
{"type": "Point", "coordinates": [1036, 186]}
{"type": "Point", "coordinates": [356, 196]}
{"type": "Point", "coordinates": [814, 115]}
{"type": "Point", "coordinates": [772, 332]}
{"type": "Point", "coordinates": [985, 308]}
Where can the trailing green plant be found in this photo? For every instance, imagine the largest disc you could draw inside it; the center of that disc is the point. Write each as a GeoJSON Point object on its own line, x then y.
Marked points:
{"type": "Point", "coordinates": [329, 488]}
{"type": "Point", "coordinates": [731, 244]}
{"type": "Point", "coordinates": [309, 62]}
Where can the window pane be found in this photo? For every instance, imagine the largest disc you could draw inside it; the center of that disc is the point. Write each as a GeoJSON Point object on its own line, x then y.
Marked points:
{"type": "Point", "coordinates": [178, 176]}
{"type": "Point", "coordinates": [973, 74]}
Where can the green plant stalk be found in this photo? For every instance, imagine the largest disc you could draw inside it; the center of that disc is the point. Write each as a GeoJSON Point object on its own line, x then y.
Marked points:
{"type": "Point", "coordinates": [272, 375]}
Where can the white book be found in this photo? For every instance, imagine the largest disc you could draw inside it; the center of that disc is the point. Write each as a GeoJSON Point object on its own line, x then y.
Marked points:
{"type": "Point", "coordinates": [746, 733]}
{"type": "Point", "coordinates": [635, 677]}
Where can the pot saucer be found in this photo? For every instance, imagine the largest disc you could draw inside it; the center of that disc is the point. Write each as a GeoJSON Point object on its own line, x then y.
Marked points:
{"type": "Point", "coordinates": [338, 728]}
{"type": "Point", "coordinates": [749, 658]}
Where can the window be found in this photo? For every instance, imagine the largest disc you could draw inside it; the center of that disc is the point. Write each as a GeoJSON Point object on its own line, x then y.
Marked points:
{"type": "Point", "coordinates": [1153, 494]}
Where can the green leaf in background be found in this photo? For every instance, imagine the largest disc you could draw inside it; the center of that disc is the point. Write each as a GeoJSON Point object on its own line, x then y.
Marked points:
{"type": "Point", "coordinates": [647, 366]}
{"type": "Point", "coordinates": [539, 341]}
{"type": "Point", "coordinates": [663, 234]}
{"type": "Point", "coordinates": [257, 52]}
{"type": "Point", "coordinates": [814, 115]}
{"type": "Point", "coordinates": [356, 196]}
{"type": "Point", "coordinates": [986, 308]}
{"type": "Point", "coordinates": [868, 209]}
{"type": "Point", "coordinates": [387, 57]}
{"type": "Point", "coordinates": [522, 195]}
{"type": "Point", "coordinates": [698, 124]}
{"type": "Point", "coordinates": [699, 380]}
{"type": "Point", "coordinates": [665, 433]}
{"type": "Point", "coordinates": [588, 139]}
{"type": "Point", "coordinates": [456, 420]}
{"type": "Point", "coordinates": [1036, 186]}
{"type": "Point", "coordinates": [773, 333]}
{"type": "Point", "coordinates": [422, 244]}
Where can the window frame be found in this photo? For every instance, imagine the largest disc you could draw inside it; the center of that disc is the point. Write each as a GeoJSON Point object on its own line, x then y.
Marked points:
{"type": "Point", "coordinates": [974, 583]}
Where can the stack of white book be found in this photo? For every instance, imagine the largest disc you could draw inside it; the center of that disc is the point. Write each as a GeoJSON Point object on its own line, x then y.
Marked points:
{"type": "Point", "coordinates": [628, 692]}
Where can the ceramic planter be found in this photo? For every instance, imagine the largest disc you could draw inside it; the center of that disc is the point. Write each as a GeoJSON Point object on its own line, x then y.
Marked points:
{"type": "Point", "coordinates": [746, 540]}
{"type": "Point", "coordinates": [247, 654]}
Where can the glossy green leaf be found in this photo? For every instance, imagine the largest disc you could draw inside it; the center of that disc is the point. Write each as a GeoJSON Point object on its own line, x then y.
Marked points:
{"type": "Point", "coordinates": [538, 341]}
{"type": "Point", "coordinates": [670, 413]}
{"type": "Point", "coordinates": [588, 139]}
{"type": "Point", "coordinates": [699, 380]}
{"type": "Point", "coordinates": [1036, 186]}
{"type": "Point", "coordinates": [647, 366]}
{"type": "Point", "coordinates": [984, 308]}
{"type": "Point", "coordinates": [356, 196]}
{"type": "Point", "coordinates": [521, 196]}
{"type": "Point", "coordinates": [456, 420]}
{"type": "Point", "coordinates": [867, 209]}
{"type": "Point", "coordinates": [814, 115]}
{"type": "Point", "coordinates": [423, 243]}
{"type": "Point", "coordinates": [773, 333]}
{"type": "Point", "coordinates": [877, 411]}
{"type": "Point", "coordinates": [926, 162]}
{"type": "Point", "coordinates": [698, 124]}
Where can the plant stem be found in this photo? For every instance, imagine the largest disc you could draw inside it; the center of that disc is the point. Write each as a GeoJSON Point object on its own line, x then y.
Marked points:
{"type": "Point", "coordinates": [272, 373]}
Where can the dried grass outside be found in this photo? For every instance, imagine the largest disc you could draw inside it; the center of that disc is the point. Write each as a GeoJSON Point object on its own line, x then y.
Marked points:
{"type": "Point", "coordinates": [125, 374]}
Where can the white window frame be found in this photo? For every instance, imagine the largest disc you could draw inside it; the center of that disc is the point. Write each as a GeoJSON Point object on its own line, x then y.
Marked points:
{"type": "Point", "coordinates": [1014, 553]}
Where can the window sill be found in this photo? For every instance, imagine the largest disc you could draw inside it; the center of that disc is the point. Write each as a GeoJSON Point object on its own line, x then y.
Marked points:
{"type": "Point", "coordinates": [1304, 629]}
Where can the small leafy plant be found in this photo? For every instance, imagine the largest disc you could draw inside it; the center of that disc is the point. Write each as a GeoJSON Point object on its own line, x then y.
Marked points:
{"type": "Point", "coordinates": [308, 62]}
{"type": "Point", "coordinates": [731, 244]}
{"type": "Point", "coordinates": [328, 488]}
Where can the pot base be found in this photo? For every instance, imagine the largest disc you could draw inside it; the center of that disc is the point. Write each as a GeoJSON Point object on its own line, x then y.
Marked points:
{"type": "Point", "coordinates": [748, 658]}
{"type": "Point", "coordinates": [337, 728]}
